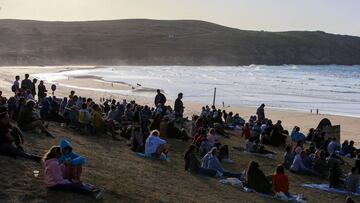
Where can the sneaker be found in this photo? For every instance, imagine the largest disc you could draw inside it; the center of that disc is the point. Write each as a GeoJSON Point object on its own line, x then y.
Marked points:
{"type": "Point", "coordinates": [100, 194]}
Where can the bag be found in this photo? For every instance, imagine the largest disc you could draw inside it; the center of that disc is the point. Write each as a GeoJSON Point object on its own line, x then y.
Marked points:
{"type": "Point", "coordinates": [13, 88]}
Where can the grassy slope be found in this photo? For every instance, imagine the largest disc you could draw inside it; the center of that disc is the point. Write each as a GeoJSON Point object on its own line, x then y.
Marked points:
{"type": "Point", "coordinates": [129, 178]}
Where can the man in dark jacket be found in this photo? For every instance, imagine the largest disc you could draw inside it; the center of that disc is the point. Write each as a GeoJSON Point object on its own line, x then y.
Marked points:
{"type": "Point", "coordinates": [26, 83]}
{"type": "Point", "coordinates": [41, 91]}
{"type": "Point", "coordinates": [260, 112]}
{"type": "Point", "coordinates": [159, 98]}
{"type": "Point", "coordinates": [179, 106]}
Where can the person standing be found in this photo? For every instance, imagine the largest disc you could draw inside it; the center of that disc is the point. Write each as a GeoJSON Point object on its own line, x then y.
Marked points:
{"type": "Point", "coordinates": [16, 84]}
{"type": "Point", "coordinates": [260, 112]}
{"type": "Point", "coordinates": [33, 87]}
{"type": "Point", "coordinates": [41, 91]}
{"type": "Point", "coordinates": [179, 106]}
{"type": "Point", "coordinates": [159, 98]}
{"type": "Point", "coordinates": [26, 83]}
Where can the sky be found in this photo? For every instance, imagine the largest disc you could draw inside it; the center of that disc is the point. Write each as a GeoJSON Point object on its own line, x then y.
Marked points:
{"type": "Point", "coordinates": [334, 16]}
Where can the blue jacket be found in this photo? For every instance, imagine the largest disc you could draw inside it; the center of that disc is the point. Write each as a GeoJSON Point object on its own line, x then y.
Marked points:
{"type": "Point", "coordinates": [210, 161]}
{"type": "Point", "coordinates": [297, 136]}
{"type": "Point", "coordinates": [73, 157]}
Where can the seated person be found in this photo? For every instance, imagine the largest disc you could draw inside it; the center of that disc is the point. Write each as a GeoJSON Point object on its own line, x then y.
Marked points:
{"type": "Point", "coordinates": [84, 115]}
{"type": "Point", "coordinates": [288, 157]}
{"type": "Point", "coordinates": [345, 149]}
{"type": "Point", "coordinates": [320, 165]}
{"type": "Point", "coordinates": [137, 139]}
{"type": "Point", "coordinates": [155, 146]}
{"type": "Point", "coordinates": [298, 165]}
{"type": "Point", "coordinates": [246, 131]}
{"type": "Point", "coordinates": [335, 159]}
{"type": "Point", "coordinates": [99, 123]}
{"type": "Point", "coordinates": [296, 135]}
{"type": "Point", "coordinates": [211, 161]}
{"type": "Point", "coordinates": [335, 177]}
{"type": "Point", "coordinates": [54, 179]}
{"type": "Point", "coordinates": [192, 164]}
{"type": "Point", "coordinates": [280, 181]}
{"type": "Point", "coordinates": [11, 138]}
{"type": "Point", "coordinates": [73, 162]}
{"type": "Point", "coordinates": [257, 180]}
{"type": "Point", "coordinates": [352, 181]}
{"type": "Point", "coordinates": [27, 121]}
{"type": "Point", "coordinates": [352, 150]}
{"type": "Point", "coordinates": [333, 146]}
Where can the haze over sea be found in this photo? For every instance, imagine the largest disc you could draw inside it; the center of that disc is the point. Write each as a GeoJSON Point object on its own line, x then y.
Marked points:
{"type": "Point", "coordinates": [332, 89]}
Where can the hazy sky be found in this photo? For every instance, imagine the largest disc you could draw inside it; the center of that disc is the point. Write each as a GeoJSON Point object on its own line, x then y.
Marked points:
{"type": "Point", "coordinates": [335, 16]}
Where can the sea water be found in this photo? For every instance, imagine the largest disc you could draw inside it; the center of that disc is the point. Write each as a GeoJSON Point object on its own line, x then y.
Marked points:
{"type": "Point", "coordinates": [332, 89]}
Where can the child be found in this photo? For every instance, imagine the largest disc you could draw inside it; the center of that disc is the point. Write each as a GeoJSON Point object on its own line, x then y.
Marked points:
{"type": "Point", "coordinates": [72, 161]}
{"type": "Point", "coordinates": [53, 177]}
{"type": "Point", "coordinates": [280, 181]}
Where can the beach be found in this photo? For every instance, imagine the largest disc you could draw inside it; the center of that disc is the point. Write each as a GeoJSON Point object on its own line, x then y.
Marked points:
{"type": "Point", "coordinates": [90, 86]}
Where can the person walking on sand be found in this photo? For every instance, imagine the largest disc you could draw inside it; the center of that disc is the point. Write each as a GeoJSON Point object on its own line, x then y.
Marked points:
{"type": "Point", "coordinates": [260, 112]}
{"type": "Point", "coordinates": [159, 98]}
{"type": "Point", "coordinates": [179, 106]}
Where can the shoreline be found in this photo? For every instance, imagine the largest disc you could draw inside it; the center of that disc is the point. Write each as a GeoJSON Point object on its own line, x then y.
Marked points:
{"type": "Point", "coordinates": [92, 85]}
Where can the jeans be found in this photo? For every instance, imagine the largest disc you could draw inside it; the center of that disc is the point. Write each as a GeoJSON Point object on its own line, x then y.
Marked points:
{"type": "Point", "coordinates": [233, 175]}
{"type": "Point", "coordinates": [206, 172]}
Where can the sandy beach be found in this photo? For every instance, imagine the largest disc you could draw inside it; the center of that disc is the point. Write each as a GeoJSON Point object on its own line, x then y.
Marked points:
{"type": "Point", "coordinates": [88, 85]}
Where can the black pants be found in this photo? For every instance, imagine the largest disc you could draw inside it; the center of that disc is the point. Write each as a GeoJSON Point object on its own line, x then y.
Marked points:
{"type": "Point", "coordinates": [10, 150]}
{"type": "Point", "coordinates": [76, 188]}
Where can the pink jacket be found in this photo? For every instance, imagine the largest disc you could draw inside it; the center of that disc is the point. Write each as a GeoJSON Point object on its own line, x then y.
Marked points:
{"type": "Point", "coordinates": [53, 174]}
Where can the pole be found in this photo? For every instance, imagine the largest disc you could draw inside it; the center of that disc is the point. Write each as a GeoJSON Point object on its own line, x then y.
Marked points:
{"type": "Point", "coordinates": [214, 96]}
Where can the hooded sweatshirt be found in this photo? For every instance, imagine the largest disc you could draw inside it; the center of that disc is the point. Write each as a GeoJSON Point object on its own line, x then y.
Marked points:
{"type": "Point", "coordinates": [212, 162]}
{"type": "Point", "coordinates": [73, 157]}
{"type": "Point", "coordinates": [53, 175]}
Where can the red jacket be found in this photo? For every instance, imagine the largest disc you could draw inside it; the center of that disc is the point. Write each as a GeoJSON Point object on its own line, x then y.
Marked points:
{"type": "Point", "coordinates": [280, 183]}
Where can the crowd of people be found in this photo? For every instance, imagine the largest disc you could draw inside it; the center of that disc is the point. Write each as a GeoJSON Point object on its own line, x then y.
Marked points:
{"type": "Point", "coordinates": [147, 128]}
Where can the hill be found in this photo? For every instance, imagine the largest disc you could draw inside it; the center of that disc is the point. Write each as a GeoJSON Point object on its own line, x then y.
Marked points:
{"type": "Point", "coordinates": [130, 178]}
{"type": "Point", "coordinates": [155, 42]}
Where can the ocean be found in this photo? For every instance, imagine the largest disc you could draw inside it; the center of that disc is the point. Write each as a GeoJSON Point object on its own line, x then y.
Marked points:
{"type": "Point", "coordinates": [332, 89]}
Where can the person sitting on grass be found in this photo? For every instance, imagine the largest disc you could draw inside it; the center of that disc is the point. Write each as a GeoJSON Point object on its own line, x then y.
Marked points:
{"type": "Point", "coordinates": [84, 115]}
{"type": "Point", "coordinates": [298, 165]}
{"type": "Point", "coordinates": [352, 181]}
{"type": "Point", "coordinates": [99, 124]}
{"type": "Point", "coordinates": [73, 162]}
{"type": "Point", "coordinates": [27, 121]}
{"type": "Point", "coordinates": [335, 176]}
{"type": "Point", "coordinates": [296, 135]}
{"type": "Point", "coordinates": [155, 146]}
{"type": "Point", "coordinates": [288, 157]}
{"type": "Point", "coordinates": [280, 181]}
{"type": "Point", "coordinates": [257, 180]}
{"type": "Point", "coordinates": [320, 165]}
{"type": "Point", "coordinates": [192, 164]}
{"type": "Point", "coordinates": [11, 139]}
{"type": "Point", "coordinates": [54, 179]}
{"type": "Point", "coordinates": [211, 161]}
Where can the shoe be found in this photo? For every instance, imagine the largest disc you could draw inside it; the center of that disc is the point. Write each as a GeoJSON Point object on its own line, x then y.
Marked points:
{"type": "Point", "coordinates": [100, 194]}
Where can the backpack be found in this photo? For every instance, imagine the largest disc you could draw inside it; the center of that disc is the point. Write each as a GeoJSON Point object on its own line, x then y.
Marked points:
{"type": "Point", "coordinates": [13, 88]}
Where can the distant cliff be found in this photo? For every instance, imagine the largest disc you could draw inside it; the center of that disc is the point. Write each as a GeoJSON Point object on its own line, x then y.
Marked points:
{"type": "Point", "coordinates": [156, 42]}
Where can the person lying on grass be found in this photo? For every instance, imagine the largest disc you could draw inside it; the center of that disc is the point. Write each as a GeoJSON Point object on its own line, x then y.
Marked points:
{"type": "Point", "coordinates": [54, 180]}
{"type": "Point", "coordinates": [73, 162]}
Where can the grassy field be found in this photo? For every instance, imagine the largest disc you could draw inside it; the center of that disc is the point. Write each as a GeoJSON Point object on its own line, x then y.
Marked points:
{"type": "Point", "coordinates": [129, 178]}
